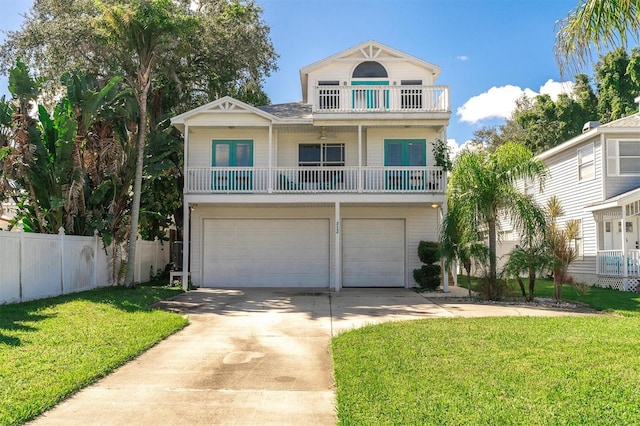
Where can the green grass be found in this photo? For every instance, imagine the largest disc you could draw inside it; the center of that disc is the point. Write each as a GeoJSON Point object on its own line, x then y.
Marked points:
{"type": "Point", "coordinates": [495, 371]}
{"type": "Point", "coordinates": [51, 348]}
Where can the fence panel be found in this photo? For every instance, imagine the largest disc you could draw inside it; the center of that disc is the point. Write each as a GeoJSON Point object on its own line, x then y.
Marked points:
{"type": "Point", "coordinates": [41, 266]}
{"type": "Point", "coordinates": [9, 267]}
{"type": "Point", "coordinates": [34, 266]}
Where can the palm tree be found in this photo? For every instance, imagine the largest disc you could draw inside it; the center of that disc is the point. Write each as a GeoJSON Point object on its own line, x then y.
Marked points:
{"type": "Point", "coordinates": [560, 244]}
{"type": "Point", "coordinates": [595, 24]}
{"type": "Point", "coordinates": [139, 33]}
{"type": "Point", "coordinates": [483, 187]}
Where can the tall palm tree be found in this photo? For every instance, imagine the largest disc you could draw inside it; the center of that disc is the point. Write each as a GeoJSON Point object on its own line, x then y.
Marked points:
{"type": "Point", "coordinates": [483, 187]}
{"type": "Point", "coordinates": [139, 32]}
{"type": "Point", "coordinates": [595, 24]}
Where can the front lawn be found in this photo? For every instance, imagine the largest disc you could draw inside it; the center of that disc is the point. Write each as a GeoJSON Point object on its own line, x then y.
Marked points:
{"type": "Point", "coordinates": [512, 370]}
{"type": "Point", "coordinates": [51, 348]}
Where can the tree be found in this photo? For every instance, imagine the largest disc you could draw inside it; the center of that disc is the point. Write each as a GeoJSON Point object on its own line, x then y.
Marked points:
{"type": "Point", "coordinates": [600, 24]}
{"type": "Point", "coordinates": [138, 34]}
{"type": "Point", "coordinates": [560, 242]}
{"type": "Point", "coordinates": [617, 77]}
{"type": "Point", "coordinates": [482, 186]}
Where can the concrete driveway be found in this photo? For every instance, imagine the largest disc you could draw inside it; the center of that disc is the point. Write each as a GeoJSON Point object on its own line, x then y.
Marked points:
{"type": "Point", "coordinates": [249, 357]}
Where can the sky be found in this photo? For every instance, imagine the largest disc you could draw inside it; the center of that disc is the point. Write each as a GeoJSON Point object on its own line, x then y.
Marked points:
{"type": "Point", "coordinates": [489, 51]}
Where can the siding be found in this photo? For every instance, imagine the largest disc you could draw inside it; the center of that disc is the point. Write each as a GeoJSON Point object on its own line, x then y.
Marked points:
{"type": "Point", "coordinates": [377, 135]}
{"type": "Point", "coordinates": [288, 145]}
{"type": "Point", "coordinates": [421, 224]}
{"type": "Point", "coordinates": [200, 144]}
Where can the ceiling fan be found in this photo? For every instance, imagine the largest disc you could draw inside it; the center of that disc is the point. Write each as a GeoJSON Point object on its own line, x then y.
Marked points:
{"type": "Point", "coordinates": [324, 135]}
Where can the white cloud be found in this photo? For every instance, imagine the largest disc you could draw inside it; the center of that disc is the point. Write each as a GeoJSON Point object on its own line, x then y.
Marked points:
{"type": "Point", "coordinates": [453, 148]}
{"type": "Point", "coordinates": [498, 102]}
{"type": "Point", "coordinates": [462, 58]}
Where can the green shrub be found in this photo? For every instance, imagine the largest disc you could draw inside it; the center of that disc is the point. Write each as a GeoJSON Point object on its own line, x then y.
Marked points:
{"type": "Point", "coordinates": [428, 275]}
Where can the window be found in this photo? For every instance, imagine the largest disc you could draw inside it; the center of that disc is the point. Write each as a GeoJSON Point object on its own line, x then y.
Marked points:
{"type": "Point", "coordinates": [411, 97]}
{"type": "Point", "coordinates": [316, 154]}
{"type": "Point", "coordinates": [623, 157]}
{"type": "Point", "coordinates": [320, 155]}
{"type": "Point", "coordinates": [586, 164]}
{"type": "Point", "coordinates": [329, 94]}
{"type": "Point", "coordinates": [369, 69]}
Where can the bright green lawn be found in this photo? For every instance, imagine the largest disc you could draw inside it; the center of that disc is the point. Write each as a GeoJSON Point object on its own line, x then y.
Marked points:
{"type": "Point", "coordinates": [499, 371]}
{"type": "Point", "coordinates": [51, 348]}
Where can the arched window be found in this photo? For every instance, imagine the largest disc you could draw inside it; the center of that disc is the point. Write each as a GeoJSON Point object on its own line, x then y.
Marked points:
{"type": "Point", "coordinates": [369, 69]}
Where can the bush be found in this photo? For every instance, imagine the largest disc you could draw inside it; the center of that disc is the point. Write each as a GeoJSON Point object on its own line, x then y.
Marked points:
{"type": "Point", "coordinates": [493, 291]}
{"type": "Point", "coordinates": [428, 275]}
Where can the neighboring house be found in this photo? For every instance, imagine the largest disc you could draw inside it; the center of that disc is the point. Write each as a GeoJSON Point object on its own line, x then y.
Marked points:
{"type": "Point", "coordinates": [596, 177]}
{"type": "Point", "coordinates": [334, 191]}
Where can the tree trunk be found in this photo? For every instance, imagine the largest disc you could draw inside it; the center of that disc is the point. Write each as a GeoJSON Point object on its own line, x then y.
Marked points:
{"type": "Point", "coordinates": [493, 267]}
{"type": "Point", "coordinates": [521, 284]}
{"type": "Point", "coordinates": [532, 283]}
{"type": "Point", "coordinates": [137, 184]}
{"type": "Point", "coordinates": [557, 284]}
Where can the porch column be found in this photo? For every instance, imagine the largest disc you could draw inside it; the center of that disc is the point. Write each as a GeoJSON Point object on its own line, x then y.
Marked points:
{"type": "Point", "coordinates": [442, 211]}
{"type": "Point", "coordinates": [270, 176]}
{"type": "Point", "coordinates": [623, 234]}
{"type": "Point", "coordinates": [337, 261]}
{"type": "Point", "coordinates": [360, 177]}
{"type": "Point", "coordinates": [185, 245]}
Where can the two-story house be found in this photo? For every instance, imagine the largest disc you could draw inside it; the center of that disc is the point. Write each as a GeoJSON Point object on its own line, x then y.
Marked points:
{"type": "Point", "coordinates": [596, 177]}
{"type": "Point", "coordinates": [334, 191]}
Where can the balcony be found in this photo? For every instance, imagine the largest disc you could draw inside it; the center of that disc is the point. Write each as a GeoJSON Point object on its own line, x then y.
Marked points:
{"type": "Point", "coordinates": [252, 180]}
{"type": "Point", "coordinates": [337, 99]}
{"type": "Point", "coordinates": [611, 263]}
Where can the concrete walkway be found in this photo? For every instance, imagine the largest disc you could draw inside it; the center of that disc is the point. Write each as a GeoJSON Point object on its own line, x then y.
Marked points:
{"type": "Point", "coordinates": [251, 357]}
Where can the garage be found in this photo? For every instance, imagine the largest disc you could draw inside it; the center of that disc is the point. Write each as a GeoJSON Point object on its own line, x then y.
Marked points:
{"type": "Point", "coordinates": [265, 253]}
{"type": "Point", "coordinates": [373, 253]}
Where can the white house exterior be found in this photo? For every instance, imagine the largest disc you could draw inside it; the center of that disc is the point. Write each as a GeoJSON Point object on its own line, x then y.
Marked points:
{"type": "Point", "coordinates": [596, 177]}
{"type": "Point", "coordinates": [334, 191]}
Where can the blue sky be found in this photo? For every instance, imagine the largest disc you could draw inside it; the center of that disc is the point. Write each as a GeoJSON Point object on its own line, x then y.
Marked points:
{"type": "Point", "coordinates": [490, 51]}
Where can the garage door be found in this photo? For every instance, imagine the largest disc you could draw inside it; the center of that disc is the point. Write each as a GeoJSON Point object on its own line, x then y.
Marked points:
{"type": "Point", "coordinates": [373, 252]}
{"type": "Point", "coordinates": [266, 253]}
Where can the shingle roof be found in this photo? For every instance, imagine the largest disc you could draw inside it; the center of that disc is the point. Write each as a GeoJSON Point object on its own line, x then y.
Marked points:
{"type": "Point", "coordinates": [288, 110]}
{"type": "Point", "coordinates": [630, 121]}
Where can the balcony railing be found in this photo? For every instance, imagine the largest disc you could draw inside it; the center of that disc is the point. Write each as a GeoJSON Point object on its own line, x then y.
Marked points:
{"type": "Point", "coordinates": [381, 99]}
{"type": "Point", "coordinates": [611, 262]}
{"type": "Point", "coordinates": [315, 180]}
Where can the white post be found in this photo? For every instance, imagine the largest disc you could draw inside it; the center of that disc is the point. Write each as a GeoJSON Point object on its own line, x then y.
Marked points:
{"type": "Point", "coordinates": [270, 177]}
{"type": "Point", "coordinates": [185, 246]}
{"type": "Point", "coordinates": [623, 235]}
{"type": "Point", "coordinates": [20, 255]}
{"type": "Point", "coordinates": [95, 258]}
{"type": "Point", "coordinates": [360, 177]}
{"type": "Point", "coordinates": [156, 251]}
{"type": "Point", "coordinates": [445, 273]}
{"type": "Point", "coordinates": [61, 233]}
{"type": "Point", "coordinates": [337, 252]}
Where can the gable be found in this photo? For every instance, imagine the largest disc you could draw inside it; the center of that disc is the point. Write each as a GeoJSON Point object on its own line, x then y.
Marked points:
{"type": "Point", "coordinates": [225, 111]}
{"type": "Point", "coordinates": [343, 63]}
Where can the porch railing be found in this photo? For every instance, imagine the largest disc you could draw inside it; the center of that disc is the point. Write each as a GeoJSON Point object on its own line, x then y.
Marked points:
{"type": "Point", "coordinates": [381, 99]}
{"type": "Point", "coordinates": [315, 180]}
{"type": "Point", "coordinates": [611, 262]}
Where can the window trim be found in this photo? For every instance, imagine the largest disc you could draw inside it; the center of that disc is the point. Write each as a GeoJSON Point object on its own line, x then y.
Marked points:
{"type": "Point", "coordinates": [322, 162]}
{"type": "Point", "coordinates": [582, 165]}
{"type": "Point", "coordinates": [613, 157]}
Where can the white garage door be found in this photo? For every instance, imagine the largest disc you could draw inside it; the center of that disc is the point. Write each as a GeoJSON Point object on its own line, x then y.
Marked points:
{"type": "Point", "coordinates": [373, 252]}
{"type": "Point", "coordinates": [266, 253]}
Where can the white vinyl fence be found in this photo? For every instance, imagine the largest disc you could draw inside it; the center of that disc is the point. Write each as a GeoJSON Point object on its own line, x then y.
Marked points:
{"type": "Point", "coordinates": [35, 266]}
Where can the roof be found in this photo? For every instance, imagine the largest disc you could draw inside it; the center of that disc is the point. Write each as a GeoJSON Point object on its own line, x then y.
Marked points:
{"type": "Point", "coordinates": [291, 110]}
{"type": "Point", "coordinates": [369, 50]}
{"type": "Point", "coordinates": [618, 200]}
{"type": "Point", "coordinates": [629, 124]}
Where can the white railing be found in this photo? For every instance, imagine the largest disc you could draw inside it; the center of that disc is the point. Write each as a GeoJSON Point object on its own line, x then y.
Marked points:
{"type": "Point", "coordinates": [611, 262]}
{"type": "Point", "coordinates": [315, 179]}
{"type": "Point", "coordinates": [381, 99]}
